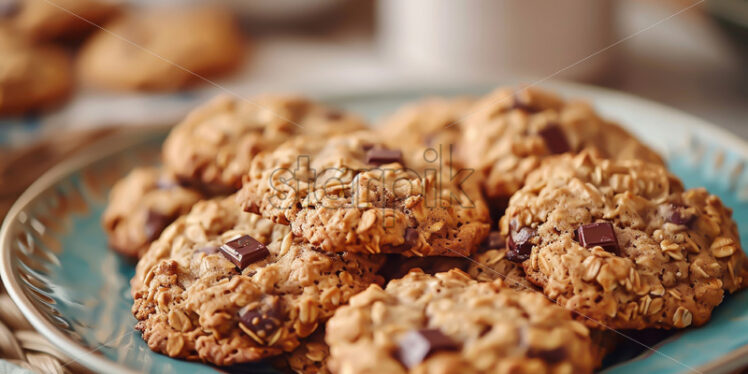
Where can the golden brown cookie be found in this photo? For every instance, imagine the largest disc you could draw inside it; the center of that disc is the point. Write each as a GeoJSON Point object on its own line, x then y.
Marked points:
{"type": "Point", "coordinates": [227, 287]}
{"type": "Point", "coordinates": [352, 193]}
{"type": "Point", "coordinates": [623, 243]}
{"type": "Point", "coordinates": [32, 78]}
{"type": "Point", "coordinates": [506, 135]}
{"type": "Point", "coordinates": [161, 49]}
{"type": "Point", "coordinates": [450, 323]}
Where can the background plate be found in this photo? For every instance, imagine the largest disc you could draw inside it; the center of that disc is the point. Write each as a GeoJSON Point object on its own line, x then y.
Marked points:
{"type": "Point", "coordinates": [57, 268]}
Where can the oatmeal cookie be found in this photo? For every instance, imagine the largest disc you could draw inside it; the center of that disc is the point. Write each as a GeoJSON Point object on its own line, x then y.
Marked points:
{"type": "Point", "coordinates": [432, 123]}
{"type": "Point", "coordinates": [450, 323]}
{"type": "Point", "coordinates": [227, 287]}
{"type": "Point", "coordinates": [159, 50]}
{"type": "Point", "coordinates": [212, 148]}
{"type": "Point", "coordinates": [506, 135]}
{"type": "Point", "coordinates": [32, 78]}
{"type": "Point", "coordinates": [623, 243]}
{"type": "Point", "coordinates": [141, 205]}
{"type": "Point", "coordinates": [352, 193]}
{"type": "Point", "coordinates": [42, 20]}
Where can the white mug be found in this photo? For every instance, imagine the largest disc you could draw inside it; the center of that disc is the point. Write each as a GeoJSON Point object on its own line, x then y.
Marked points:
{"type": "Point", "coordinates": [498, 37]}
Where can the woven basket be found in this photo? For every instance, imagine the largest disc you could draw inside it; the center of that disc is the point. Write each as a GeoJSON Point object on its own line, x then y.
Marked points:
{"type": "Point", "coordinates": [21, 345]}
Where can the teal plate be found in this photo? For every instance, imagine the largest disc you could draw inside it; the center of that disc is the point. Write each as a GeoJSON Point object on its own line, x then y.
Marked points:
{"type": "Point", "coordinates": [57, 268]}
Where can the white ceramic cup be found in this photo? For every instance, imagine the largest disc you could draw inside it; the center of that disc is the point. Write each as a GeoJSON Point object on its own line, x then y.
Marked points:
{"type": "Point", "coordinates": [498, 37]}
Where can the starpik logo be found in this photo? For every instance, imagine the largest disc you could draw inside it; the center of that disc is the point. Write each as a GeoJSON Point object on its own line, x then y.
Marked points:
{"type": "Point", "coordinates": [355, 184]}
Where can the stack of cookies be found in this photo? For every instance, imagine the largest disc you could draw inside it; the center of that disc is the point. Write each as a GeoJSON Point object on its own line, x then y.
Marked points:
{"type": "Point", "coordinates": [511, 233]}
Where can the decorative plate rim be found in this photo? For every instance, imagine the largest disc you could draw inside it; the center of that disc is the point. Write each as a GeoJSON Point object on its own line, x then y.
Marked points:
{"type": "Point", "coordinates": [118, 142]}
{"type": "Point", "coordinates": [75, 351]}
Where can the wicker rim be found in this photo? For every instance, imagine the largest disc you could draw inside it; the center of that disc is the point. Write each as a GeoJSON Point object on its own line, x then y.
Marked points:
{"type": "Point", "coordinates": [118, 142]}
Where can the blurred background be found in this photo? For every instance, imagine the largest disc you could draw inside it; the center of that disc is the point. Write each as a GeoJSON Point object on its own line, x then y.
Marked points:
{"type": "Point", "coordinates": [73, 70]}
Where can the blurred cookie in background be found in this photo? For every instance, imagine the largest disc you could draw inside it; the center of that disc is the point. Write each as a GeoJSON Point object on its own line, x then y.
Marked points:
{"type": "Point", "coordinates": [429, 124]}
{"type": "Point", "coordinates": [32, 78]}
{"type": "Point", "coordinates": [46, 20]}
{"type": "Point", "coordinates": [162, 49]}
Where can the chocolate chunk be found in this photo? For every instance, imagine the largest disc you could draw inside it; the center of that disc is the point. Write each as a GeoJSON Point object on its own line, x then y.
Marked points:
{"type": "Point", "coordinates": [555, 139]}
{"type": "Point", "coordinates": [675, 213]}
{"type": "Point", "coordinates": [548, 355]}
{"type": "Point", "coordinates": [416, 345]}
{"type": "Point", "coordinates": [380, 156]}
{"type": "Point", "coordinates": [155, 223]}
{"type": "Point", "coordinates": [411, 237]}
{"type": "Point", "coordinates": [207, 189]}
{"type": "Point", "coordinates": [598, 234]}
{"type": "Point", "coordinates": [243, 251]}
{"type": "Point", "coordinates": [261, 321]}
{"type": "Point", "coordinates": [519, 244]}
{"type": "Point", "coordinates": [494, 241]}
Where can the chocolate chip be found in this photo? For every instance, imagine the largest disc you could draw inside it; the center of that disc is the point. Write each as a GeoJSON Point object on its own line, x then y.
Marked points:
{"type": "Point", "coordinates": [261, 320]}
{"type": "Point", "coordinates": [155, 223]}
{"type": "Point", "coordinates": [675, 213]}
{"type": "Point", "coordinates": [243, 251]}
{"type": "Point", "coordinates": [494, 241]}
{"type": "Point", "coordinates": [548, 355]}
{"type": "Point", "coordinates": [519, 244]}
{"type": "Point", "coordinates": [416, 345]}
{"type": "Point", "coordinates": [411, 237]}
{"type": "Point", "coordinates": [207, 189]}
{"type": "Point", "coordinates": [555, 139]}
{"type": "Point", "coordinates": [380, 156]}
{"type": "Point", "coordinates": [598, 234]}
